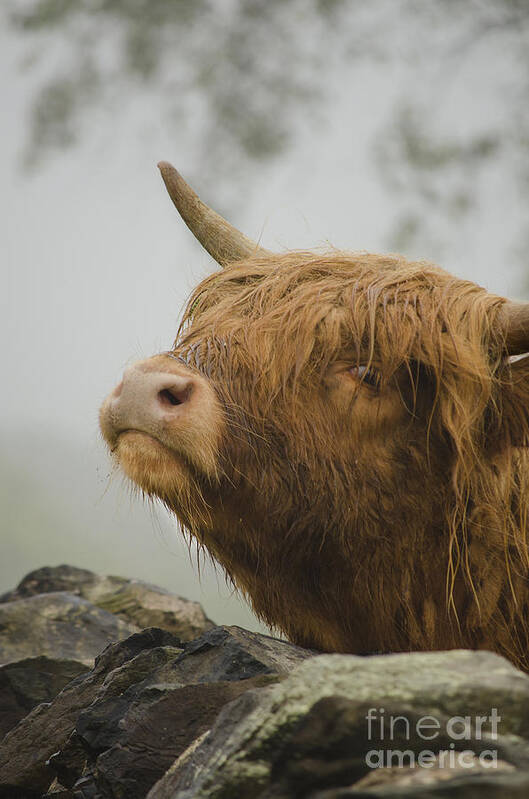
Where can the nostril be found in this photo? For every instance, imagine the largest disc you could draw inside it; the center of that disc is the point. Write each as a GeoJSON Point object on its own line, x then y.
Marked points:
{"type": "Point", "coordinates": [170, 396]}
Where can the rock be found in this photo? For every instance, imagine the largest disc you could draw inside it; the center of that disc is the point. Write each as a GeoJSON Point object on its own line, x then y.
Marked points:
{"type": "Point", "coordinates": [237, 714]}
{"type": "Point", "coordinates": [134, 601]}
{"type": "Point", "coordinates": [57, 625]}
{"type": "Point", "coordinates": [50, 579]}
{"type": "Point", "coordinates": [132, 737]}
{"type": "Point", "coordinates": [133, 743]}
{"type": "Point", "coordinates": [232, 653]}
{"type": "Point", "coordinates": [56, 791]}
{"type": "Point", "coordinates": [437, 781]}
{"type": "Point", "coordinates": [25, 750]}
{"type": "Point", "coordinates": [183, 772]}
{"type": "Point", "coordinates": [26, 683]}
{"type": "Point", "coordinates": [149, 606]}
{"type": "Point", "coordinates": [116, 730]}
{"type": "Point", "coordinates": [308, 736]}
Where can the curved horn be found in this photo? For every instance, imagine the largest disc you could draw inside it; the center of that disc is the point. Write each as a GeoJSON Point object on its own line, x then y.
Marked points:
{"type": "Point", "coordinates": [514, 321]}
{"type": "Point", "coordinates": [223, 242]}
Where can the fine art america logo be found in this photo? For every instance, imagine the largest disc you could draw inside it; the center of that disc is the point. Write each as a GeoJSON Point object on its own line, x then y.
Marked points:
{"type": "Point", "coordinates": [444, 741]}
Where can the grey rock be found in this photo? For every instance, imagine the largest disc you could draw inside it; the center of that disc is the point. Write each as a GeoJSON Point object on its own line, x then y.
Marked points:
{"type": "Point", "coordinates": [456, 783]}
{"type": "Point", "coordinates": [150, 606]}
{"type": "Point", "coordinates": [50, 579]}
{"type": "Point", "coordinates": [134, 601]}
{"type": "Point", "coordinates": [131, 744]}
{"type": "Point", "coordinates": [26, 749]}
{"type": "Point", "coordinates": [130, 737]}
{"type": "Point", "coordinates": [183, 773]}
{"type": "Point", "coordinates": [115, 730]}
{"type": "Point", "coordinates": [233, 713]}
{"type": "Point", "coordinates": [57, 625]}
{"type": "Point", "coordinates": [307, 736]}
{"type": "Point", "coordinates": [56, 791]}
{"type": "Point", "coordinates": [26, 683]}
{"type": "Point", "coordinates": [232, 653]}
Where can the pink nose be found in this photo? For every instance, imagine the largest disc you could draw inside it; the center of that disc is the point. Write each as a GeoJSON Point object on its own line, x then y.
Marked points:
{"type": "Point", "coordinates": [149, 401]}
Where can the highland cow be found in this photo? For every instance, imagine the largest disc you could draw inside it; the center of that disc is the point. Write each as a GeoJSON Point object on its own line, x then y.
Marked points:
{"type": "Point", "coordinates": [345, 433]}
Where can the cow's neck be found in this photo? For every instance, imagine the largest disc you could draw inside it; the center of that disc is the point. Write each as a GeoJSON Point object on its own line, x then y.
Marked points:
{"type": "Point", "coordinates": [394, 590]}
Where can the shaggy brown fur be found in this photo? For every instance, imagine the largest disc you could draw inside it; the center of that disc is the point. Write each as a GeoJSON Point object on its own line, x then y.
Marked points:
{"type": "Point", "coordinates": [363, 511]}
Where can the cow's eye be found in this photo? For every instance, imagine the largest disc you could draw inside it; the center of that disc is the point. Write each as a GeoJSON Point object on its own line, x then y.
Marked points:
{"type": "Point", "coordinates": [366, 374]}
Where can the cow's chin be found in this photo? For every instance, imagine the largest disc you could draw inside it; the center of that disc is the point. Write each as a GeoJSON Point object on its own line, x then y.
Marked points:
{"type": "Point", "coordinates": [156, 469]}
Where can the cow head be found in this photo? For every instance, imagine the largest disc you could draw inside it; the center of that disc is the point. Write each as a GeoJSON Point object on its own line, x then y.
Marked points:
{"type": "Point", "coordinates": [339, 432]}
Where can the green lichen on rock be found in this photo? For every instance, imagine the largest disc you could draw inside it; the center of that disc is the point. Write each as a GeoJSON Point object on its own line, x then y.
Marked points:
{"type": "Point", "coordinates": [311, 727]}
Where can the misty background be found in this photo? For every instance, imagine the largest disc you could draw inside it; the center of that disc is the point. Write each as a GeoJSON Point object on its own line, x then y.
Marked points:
{"type": "Point", "coordinates": [394, 125]}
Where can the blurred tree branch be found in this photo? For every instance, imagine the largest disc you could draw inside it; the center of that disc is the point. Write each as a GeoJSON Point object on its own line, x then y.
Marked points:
{"type": "Point", "coordinates": [240, 78]}
{"type": "Point", "coordinates": [242, 61]}
{"type": "Point", "coordinates": [437, 162]}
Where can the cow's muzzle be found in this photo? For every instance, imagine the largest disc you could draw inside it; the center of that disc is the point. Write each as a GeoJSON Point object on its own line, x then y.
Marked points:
{"type": "Point", "coordinates": [165, 400]}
